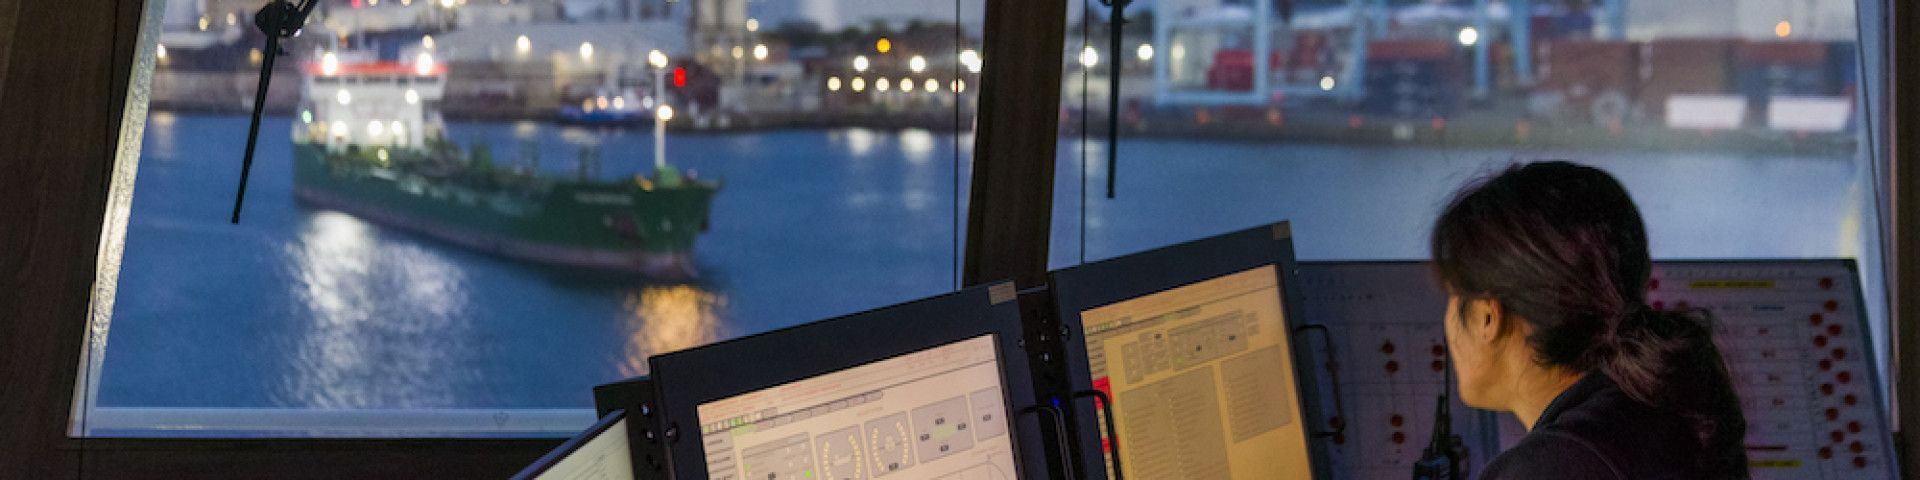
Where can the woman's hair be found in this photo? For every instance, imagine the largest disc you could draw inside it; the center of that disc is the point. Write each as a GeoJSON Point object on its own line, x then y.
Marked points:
{"type": "Point", "coordinates": [1562, 247]}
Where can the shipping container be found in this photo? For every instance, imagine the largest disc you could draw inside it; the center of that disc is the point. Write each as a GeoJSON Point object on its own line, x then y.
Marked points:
{"type": "Point", "coordinates": [1413, 79]}
{"type": "Point", "coordinates": [1681, 66]}
{"type": "Point", "coordinates": [1595, 79]}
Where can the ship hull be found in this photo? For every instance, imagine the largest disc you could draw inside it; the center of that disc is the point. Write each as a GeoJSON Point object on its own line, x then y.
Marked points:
{"type": "Point", "coordinates": [635, 227]}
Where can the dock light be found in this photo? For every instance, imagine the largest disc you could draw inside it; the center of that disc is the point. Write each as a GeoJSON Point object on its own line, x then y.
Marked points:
{"type": "Point", "coordinates": [619, 103]}
{"type": "Point", "coordinates": [657, 59]}
{"type": "Point", "coordinates": [882, 84]}
{"type": "Point", "coordinates": [600, 102]}
{"type": "Point", "coordinates": [586, 51]}
{"type": "Point", "coordinates": [160, 51]}
{"type": "Point", "coordinates": [1783, 29]}
{"type": "Point", "coordinates": [306, 116]}
{"type": "Point", "coordinates": [664, 113]}
{"type": "Point", "coordinates": [1326, 83]}
{"type": "Point", "coordinates": [232, 20]}
{"type": "Point", "coordinates": [446, 3]}
{"type": "Point", "coordinates": [971, 59]}
{"type": "Point", "coordinates": [858, 84]}
{"type": "Point", "coordinates": [931, 86]}
{"type": "Point", "coordinates": [523, 44]}
{"type": "Point", "coordinates": [339, 128]}
{"type": "Point", "coordinates": [1089, 57]}
{"type": "Point", "coordinates": [739, 52]}
{"type": "Point", "coordinates": [860, 63]}
{"type": "Point", "coordinates": [1145, 52]}
{"type": "Point", "coordinates": [833, 84]}
{"type": "Point", "coordinates": [329, 64]}
{"type": "Point", "coordinates": [753, 25]}
{"type": "Point", "coordinates": [426, 41]}
{"type": "Point", "coordinates": [423, 64]}
{"type": "Point", "coordinates": [382, 154]}
{"type": "Point", "coordinates": [375, 128]}
{"type": "Point", "coordinates": [342, 96]}
{"type": "Point", "coordinates": [760, 51]}
{"type": "Point", "coordinates": [396, 127]}
{"type": "Point", "coordinates": [413, 96]}
{"type": "Point", "coordinates": [959, 85]}
{"type": "Point", "coordinates": [883, 45]}
{"type": "Point", "coordinates": [917, 64]}
{"type": "Point", "coordinates": [1469, 36]}
{"type": "Point", "coordinates": [254, 56]}
{"type": "Point", "coordinates": [906, 85]}
{"type": "Point", "coordinates": [204, 23]}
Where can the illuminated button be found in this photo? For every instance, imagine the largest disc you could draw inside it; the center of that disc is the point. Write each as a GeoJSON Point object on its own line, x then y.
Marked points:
{"type": "Point", "coordinates": [1839, 354]}
{"type": "Point", "coordinates": [1826, 453]}
{"type": "Point", "coordinates": [1832, 306]}
{"type": "Point", "coordinates": [1396, 420]}
{"type": "Point", "coordinates": [1837, 436]}
{"type": "Point", "coordinates": [1850, 400]}
{"type": "Point", "coordinates": [1653, 284]}
{"type": "Point", "coordinates": [1859, 462]}
{"type": "Point", "coordinates": [1439, 351]}
{"type": "Point", "coordinates": [1826, 389]}
{"type": "Point", "coordinates": [1393, 366]}
{"type": "Point", "coordinates": [1833, 414]}
{"type": "Point", "coordinates": [1844, 377]}
{"type": "Point", "coordinates": [1399, 438]}
{"type": "Point", "coordinates": [1857, 447]}
{"type": "Point", "coordinates": [1439, 366]}
{"type": "Point", "coordinates": [1816, 319]}
{"type": "Point", "coordinates": [1826, 283]}
{"type": "Point", "coordinates": [1386, 348]}
{"type": "Point", "coordinates": [1826, 364]}
{"type": "Point", "coordinates": [1833, 329]}
{"type": "Point", "coordinates": [1853, 426]}
{"type": "Point", "coordinates": [1820, 340]}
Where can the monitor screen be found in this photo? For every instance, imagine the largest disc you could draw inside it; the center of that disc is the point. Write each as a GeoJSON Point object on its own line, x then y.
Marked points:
{"type": "Point", "coordinates": [935, 413]}
{"type": "Point", "coordinates": [602, 453]}
{"type": "Point", "coordinates": [1202, 380]}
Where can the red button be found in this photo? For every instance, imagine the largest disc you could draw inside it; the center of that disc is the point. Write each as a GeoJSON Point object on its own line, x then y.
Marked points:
{"type": "Point", "coordinates": [1859, 462]}
{"type": "Point", "coordinates": [1386, 348]}
{"type": "Point", "coordinates": [1857, 447]}
{"type": "Point", "coordinates": [1653, 284]}
{"type": "Point", "coordinates": [1837, 436]}
{"type": "Point", "coordinates": [1339, 438]}
{"type": "Point", "coordinates": [1850, 399]}
{"type": "Point", "coordinates": [1826, 364]}
{"type": "Point", "coordinates": [1826, 453]}
{"type": "Point", "coordinates": [1820, 340]}
{"type": "Point", "coordinates": [1439, 351]}
{"type": "Point", "coordinates": [1393, 366]}
{"type": "Point", "coordinates": [1844, 377]}
{"type": "Point", "coordinates": [1399, 438]}
{"type": "Point", "coordinates": [1396, 420]}
{"type": "Point", "coordinates": [1833, 306]}
{"type": "Point", "coordinates": [1833, 414]}
{"type": "Point", "coordinates": [1337, 422]}
{"type": "Point", "coordinates": [1853, 427]}
{"type": "Point", "coordinates": [1826, 389]}
{"type": "Point", "coordinates": [1839, 354]}
{"type": "Point", "coordinates": [1833, 329]}
{"type": "Point", "coordinates": [1816, 319]}
{"type": "Point", "coordinates": [1439, 366]}
{"type": "Point", "coordinates": [1826, 283]}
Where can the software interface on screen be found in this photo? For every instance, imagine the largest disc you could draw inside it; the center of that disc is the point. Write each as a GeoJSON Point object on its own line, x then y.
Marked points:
{"type": "Point", "coordinates": [1201, 378]}
{"type": "Point", "coordinates": [933, 414]}
{"type": "Point", "coordinates": [606, 456]}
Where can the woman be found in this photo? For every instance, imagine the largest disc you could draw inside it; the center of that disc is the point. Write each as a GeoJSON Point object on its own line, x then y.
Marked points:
{"type": "Point", "coordinates": [1547, 268]}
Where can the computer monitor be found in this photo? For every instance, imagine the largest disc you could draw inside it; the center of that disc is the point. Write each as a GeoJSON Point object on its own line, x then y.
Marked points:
{"type": "Point", "coordinates": [923, 390]}
{"type": "Point", "coordinates": [1193, 344]}
{"type": "Point", "coordinates": [601, 453]}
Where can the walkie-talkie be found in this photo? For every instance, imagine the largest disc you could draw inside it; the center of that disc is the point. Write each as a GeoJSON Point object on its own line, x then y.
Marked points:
{"type": "Point", "coordinates": [1441, 460]}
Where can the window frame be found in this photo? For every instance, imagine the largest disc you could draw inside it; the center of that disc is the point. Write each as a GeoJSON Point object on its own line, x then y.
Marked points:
{"type": "Point", "coordinates": [67, 74]}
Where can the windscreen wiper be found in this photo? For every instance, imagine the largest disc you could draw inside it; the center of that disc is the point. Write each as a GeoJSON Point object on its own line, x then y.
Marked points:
{"type": "Point", "coordinates": [279, 19]}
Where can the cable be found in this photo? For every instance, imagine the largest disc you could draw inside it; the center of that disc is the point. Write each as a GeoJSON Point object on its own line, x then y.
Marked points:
{"type": "Point", "coordinates": [1086, 40]}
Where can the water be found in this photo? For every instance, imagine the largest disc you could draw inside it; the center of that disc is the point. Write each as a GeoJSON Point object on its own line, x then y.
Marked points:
{"type": "Point", "coordinates": [302, 308]}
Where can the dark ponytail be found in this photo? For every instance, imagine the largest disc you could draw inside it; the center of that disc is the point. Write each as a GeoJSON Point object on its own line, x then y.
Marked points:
{"type": "Point", "coordinates": [1563, 247]}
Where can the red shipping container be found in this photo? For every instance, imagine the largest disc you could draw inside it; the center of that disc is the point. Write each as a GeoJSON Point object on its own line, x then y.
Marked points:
{"type": "Point", "coordinates": [1682, 66]}
{"type": "Point", "coordinates": [1422, 49]}
{"type": "Point", "coordinates": [1597, 78]}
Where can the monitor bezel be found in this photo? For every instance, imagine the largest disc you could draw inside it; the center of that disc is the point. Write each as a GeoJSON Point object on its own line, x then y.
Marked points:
{"type": "Point", "coordinates": [546, 462]}
{"type": "Point", "coordinates": [1093, 285]}
{"type": "Point", "coordinates": [688, 378]}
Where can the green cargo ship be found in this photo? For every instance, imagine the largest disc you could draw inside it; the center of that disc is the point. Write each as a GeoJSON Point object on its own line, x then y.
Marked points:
{"type": "Point", "coordinates": [366, 145]}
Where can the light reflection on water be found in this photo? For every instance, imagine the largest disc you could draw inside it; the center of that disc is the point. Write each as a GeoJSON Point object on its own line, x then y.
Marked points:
{"type": "Point", "coordinates": [667, 318]}
{"type": "Point", "coordinates": [379, 314]}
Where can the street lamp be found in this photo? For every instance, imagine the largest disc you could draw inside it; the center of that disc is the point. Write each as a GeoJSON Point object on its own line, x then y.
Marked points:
{"type": "Point", "coordinates": [662, 112]}
{"type": "Point", "coordinates": [860, 63]}
{"type": "Point", "coordinates": [760, 51]}
{"type": "Point", "coordinates": [1145, 52]}
{"type": "Point", "coordinates": [1089, 57]}
{"type": "Point", "coordinates": [917, 64]}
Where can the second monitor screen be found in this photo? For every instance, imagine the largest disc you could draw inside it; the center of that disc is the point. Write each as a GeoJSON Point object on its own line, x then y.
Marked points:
{"type": "Point", "coordinates": [935, 413]}
{"type": "Point", "coordinates": [1202, 382]}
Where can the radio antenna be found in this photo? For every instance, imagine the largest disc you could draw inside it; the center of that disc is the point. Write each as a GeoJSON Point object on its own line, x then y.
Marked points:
{"type": "Point", "coordinates": [279, 19]}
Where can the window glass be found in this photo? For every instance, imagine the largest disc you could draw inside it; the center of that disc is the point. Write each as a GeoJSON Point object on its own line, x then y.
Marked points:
{"type": "Point", "coordinates": [464, 214]}
{"type": "Point", "coordinates": [1736, 125]}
